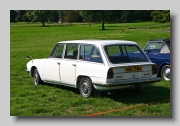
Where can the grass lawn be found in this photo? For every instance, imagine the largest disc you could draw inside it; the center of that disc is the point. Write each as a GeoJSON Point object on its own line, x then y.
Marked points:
{"type": "Point", "coordinates": [26, 99]}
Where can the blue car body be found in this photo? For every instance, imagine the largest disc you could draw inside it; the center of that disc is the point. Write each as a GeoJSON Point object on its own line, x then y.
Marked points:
{"type": "Point", "coordinates": [158, 51]}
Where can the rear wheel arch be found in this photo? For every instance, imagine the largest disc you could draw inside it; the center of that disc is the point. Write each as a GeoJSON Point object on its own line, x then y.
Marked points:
{"type": "Point", "coordinates": [86, 90]}
{"type": "Point", "coordinates": [79, 79]}
{"type": "Point", "coordinates": [165, 72]}
{"type": "Point", "coordinates": [86, 87]}
{"type": "Point", "coordinates": [162, 65]}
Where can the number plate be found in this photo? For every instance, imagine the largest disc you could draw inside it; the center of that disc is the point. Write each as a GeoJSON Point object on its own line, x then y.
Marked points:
{"type": "Point", "coordinates": [133, 69]}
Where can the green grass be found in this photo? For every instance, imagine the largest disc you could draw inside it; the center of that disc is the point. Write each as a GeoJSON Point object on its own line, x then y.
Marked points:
{"type": "Point", "coordinates": [27, 99]}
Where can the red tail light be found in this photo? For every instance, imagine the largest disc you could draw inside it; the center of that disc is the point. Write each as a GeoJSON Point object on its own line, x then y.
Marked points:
{"type": "Point", "coordinates": [154, 69]}
{"type": "Point", "coordinates": [110, 74]}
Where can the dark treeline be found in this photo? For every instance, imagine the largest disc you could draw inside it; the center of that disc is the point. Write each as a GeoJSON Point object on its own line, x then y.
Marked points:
{"type": "Point", "coordinates": [103, 16]}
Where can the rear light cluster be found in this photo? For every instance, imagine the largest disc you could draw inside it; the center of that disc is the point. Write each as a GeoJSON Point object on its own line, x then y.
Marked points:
{"type": "Point", "coordinates": [110, 74]}
{"type": "Point", "coordinates": [154, 69]}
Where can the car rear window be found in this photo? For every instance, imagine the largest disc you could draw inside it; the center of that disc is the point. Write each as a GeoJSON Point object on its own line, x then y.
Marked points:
{"type": "Point", "coordinates": [124, 54]}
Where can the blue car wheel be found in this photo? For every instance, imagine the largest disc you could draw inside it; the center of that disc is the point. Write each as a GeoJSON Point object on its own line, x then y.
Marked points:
{"type": "Point", "coordinates": [165, 72]}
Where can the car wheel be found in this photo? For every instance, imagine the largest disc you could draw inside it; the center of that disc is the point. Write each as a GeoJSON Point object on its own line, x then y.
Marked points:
{"type": "Point", "coordinates": [86, 87]}
{"type": "Point", "coordinates": [36, 77]}
{"type": "Point", "coordinates": [165, 72]}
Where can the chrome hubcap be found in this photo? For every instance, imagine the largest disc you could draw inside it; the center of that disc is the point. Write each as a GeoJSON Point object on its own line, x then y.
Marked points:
{"type": "Point", "coordinates": [166, 74]}
{"type": "Point", "coordinates": [85, 88]}
{"type": "Point", "coordinates": [35, 78]}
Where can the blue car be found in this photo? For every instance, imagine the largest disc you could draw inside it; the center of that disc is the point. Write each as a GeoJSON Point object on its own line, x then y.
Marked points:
{"type": "Point", "coordinates": [158, 51]}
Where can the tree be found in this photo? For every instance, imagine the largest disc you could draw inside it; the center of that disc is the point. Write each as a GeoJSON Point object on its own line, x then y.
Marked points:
{"type": "Point", "coordinates": [53, 16]}
{"type": "Point", "coordinates": [39, 15]}
{"type": "Point", "coordinates": [101, 16]}
{"type": "Point", "coordinates": [29, 15]}
{"type": "Point", "coordinates": [13, 15]}
{"type": "Point", "coordinates": [161, 16]}
{"type": "Point", "coordinates": [126, 16]}
{"type": "Point", "coordinates": [61, 14]}
{"type": "Point", "coordinates": [20, 15]}
{"type": "Point", "coordinates": [71, 16]}
{"type": "Point", "coordinates": [88, 16]}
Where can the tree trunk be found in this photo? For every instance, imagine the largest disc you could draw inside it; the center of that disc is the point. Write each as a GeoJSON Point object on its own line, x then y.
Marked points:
{"type": "Point", "coordinates": [43, 23]}
{"type": "Point", "coordinates": [89, 23]}
{"type": "Point", "coordinates": [103, 28]}
{"type": "Point", "coordinates": [62, 17]}
{"type": "Point", "coordinates": [42, 20]}
{"type": "Point", "coordinates": [102, 15]}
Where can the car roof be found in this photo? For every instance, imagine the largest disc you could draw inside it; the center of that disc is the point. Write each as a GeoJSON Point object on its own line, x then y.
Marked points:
{"type": "Point", "coordinates": [159, 40]}
{"type": "Point", "coordinates": [99, 42]}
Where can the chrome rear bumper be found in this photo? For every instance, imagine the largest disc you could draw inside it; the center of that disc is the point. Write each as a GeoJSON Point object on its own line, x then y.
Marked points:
{"type": "Point", "coordinates": [125, 84]}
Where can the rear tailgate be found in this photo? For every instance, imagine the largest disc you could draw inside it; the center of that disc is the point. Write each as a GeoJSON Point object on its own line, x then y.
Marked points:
{"type": "Point", "coordinates": [133, 71]}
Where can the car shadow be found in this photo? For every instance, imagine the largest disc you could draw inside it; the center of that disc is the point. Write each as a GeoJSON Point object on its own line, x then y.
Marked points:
{"type": "Point", "coordinates": [127, 96]}
{"type": "Point", "coordinates": [70, 89]}
{"type": "Point", "coordinates": [148, 95]}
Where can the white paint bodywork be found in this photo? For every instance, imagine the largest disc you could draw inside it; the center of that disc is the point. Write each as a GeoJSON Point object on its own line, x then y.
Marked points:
{"type": "Point", "coordinates": [66, 71]}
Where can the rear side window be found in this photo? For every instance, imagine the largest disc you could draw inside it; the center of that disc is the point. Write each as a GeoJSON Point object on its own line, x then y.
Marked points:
{"type": "Point", "coordinates": [90, 53]}
{"type": "Point", "coordinates": [124, 54]}
{"type": "Point", "coordinates": [71, 51]}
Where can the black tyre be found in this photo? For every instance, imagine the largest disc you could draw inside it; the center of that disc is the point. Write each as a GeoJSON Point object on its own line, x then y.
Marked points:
{"type": "Point", "coordinates": [36, 78]}
{"type": "Point", "coordinates": [86, 87]}
{"type": "Point", "coordinates": [165, 72]}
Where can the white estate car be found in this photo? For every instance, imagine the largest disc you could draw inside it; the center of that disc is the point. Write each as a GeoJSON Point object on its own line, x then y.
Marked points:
{"type": "Point", "coordinates": [95, 65]}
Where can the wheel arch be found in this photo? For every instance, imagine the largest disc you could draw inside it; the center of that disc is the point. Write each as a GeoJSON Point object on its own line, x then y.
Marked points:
{"type": "Point", "coordinates": [79, 79]}
{"type": "Point", "coordinates": [32, 70]}
{"type": "Point", "coordinates": [161, 66]}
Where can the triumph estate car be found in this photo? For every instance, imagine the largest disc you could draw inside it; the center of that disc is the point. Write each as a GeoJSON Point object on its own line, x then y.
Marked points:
{"type": "Point", "coordinates": [95, 66]}
{"type": "Point", "coordinates": [158, 51]}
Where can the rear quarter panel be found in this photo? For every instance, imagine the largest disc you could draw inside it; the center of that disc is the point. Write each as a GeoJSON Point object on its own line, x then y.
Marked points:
{"type": "Point", "coordinates": [97, 72]}
{"type": "Point", "coordinates": [163, 59]}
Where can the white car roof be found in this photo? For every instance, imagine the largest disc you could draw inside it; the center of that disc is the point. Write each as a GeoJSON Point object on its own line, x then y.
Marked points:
{"type": "Point", "coordinates": [100, 42]}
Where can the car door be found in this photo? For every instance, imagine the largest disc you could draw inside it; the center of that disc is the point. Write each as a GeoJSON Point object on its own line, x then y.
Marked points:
{"type": "Point", "coordinates": [68, 64]}
{"type": "Point", "coordinates": [152, 56]}
{"type": "Point", "coordinates": [152, 50]}
{"type": "Point", "coordinates": [91, 63]}
{"type": "Point", "coordinates": [163, 59]}
{"type": "Point", "coordinates": [52, 64]}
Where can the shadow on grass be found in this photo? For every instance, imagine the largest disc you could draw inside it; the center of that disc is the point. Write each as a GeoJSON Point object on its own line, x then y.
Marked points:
{"type": "Point", "coordinates": [149, 94]}
{"type": "Point", "coordinates": [128, 96]}
{"type": "Point", "coordinates": [118, 29]}
{"type": "Point", "coordinates": [74, 90]}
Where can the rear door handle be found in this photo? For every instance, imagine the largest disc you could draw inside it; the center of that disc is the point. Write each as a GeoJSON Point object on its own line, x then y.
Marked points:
{"type": "Point", "coordinates": [74, 64]}
{"type": "Point", "coordinates": [58, 63]}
